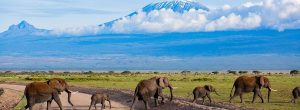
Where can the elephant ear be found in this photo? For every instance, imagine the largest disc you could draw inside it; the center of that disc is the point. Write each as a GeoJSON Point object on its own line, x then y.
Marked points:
{"type": "Point", "coordinates": [55, 84]}
{"type": "Point", "coordinates": [161, 82]}
{"type": "Point", "coordinates": [208, 87]}
{"type": "Point", "coordinates": [262, 80]}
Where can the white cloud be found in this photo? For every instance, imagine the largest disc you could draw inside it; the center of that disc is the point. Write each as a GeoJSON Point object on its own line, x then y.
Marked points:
{"type": "Point", "coordinates": [268, 14]}
{"type": "Point", "coordinates": [77, 31]}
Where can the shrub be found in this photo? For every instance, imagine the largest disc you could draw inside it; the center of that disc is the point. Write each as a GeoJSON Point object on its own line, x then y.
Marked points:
{"type": "Point", "coordinates": [243, 72]}
{"type": "Point", "coordinates": [231, 72]}
{"type": "Point", "coordinates": [215, 72]}
{"type": "Point", "coordinates": [185, 71]}
{"type": "Point", "coordinates": [292, 72]}
{"type": "Point", "coordinates": [256, 72]}
{"type": "Point", "coordinates": [126, 72]}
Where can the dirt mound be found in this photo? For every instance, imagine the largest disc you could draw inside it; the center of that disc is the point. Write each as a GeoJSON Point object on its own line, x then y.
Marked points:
{"type": "Point", "coordinates": [9, 99]}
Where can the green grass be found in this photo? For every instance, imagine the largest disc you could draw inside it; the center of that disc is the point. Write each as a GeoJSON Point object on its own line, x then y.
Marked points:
{"type": "Point", "coordinates": [184, 84]}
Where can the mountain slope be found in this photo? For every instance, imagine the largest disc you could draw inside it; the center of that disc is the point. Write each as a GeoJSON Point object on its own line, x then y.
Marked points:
{"type": "Point", "coordinates": [178, 6]}
{"type": "Point", "coordinates": [22, 29]}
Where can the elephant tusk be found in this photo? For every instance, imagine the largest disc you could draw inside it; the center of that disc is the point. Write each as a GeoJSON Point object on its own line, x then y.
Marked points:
{"type": "Point", "coordinates": [174, 87]}
{"type": "Point", "coordinates": [273, 89]}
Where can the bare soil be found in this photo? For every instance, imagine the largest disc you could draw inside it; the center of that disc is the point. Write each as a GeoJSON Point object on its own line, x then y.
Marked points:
{"type": "Point", "coordinates": [121, 100]}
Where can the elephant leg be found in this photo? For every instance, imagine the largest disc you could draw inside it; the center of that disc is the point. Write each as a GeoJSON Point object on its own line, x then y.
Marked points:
{"type": "Point", "coordinates": [293, 100]}
{"type": "Point", "coordinates": [92, 103]}
{"type": "Point", "coordinates": [254, 96]}
{"type": "Point", "coordinates": [156, 95]}
{"type": "Point", "coordinates": [195, 98]}
{"type": "Point", "coordinates": [133, 103]}
{"type": "Point", "coordinates": [203, 100]}
{"type": "Point", "coordinates": [236, 93]}
{"type": "Point", "coordinates": [160, 93]}
{"type": "Point", "coordinates": [30, 103]}
{"type": "Point", "coordinates": [241, 97]}
{"type": "Point", "coordinates": [103, 103]}
{"type": "Point", "coordinates": [146, 104]}
{"type": "Point", "coordinates": [260, 96]}
{"type": "Point", "coordinates": [95, 105]}
{"type": "Point", "coordinates": [208, 96]}
{"type": "Point", "coordinates": [49, 104]}
{"type": "Point", "coordinates": [57, 100]}
{"type": "Point", "coordinates": [102, 106]}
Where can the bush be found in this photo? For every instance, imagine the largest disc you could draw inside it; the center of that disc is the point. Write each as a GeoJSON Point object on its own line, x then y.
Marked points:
{"type": "Point", "coordinates": [111, 72]}
{"type": "Point", "coordinates": [126, 72]}
{"type": "Point", "coordinates": [292, 72]}
{"type": "Point", "coordinates": [243, 72]}
{"type": "Point", "coordinates": [215, 72]}
{"type": "Point", "coordinates": [231, 72]}
{"type": "Point", "coordinates": [256, 72]}
{"type": "Point", "coordinates": [185, 71]}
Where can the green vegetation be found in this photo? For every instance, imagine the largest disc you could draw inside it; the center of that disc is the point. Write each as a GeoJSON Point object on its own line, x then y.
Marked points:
{"type": "Point", "coordinates": [183, 82]}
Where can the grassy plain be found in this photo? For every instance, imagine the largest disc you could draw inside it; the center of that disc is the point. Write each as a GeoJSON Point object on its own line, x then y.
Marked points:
{"type": "Point", "coordinates": [183, 83]}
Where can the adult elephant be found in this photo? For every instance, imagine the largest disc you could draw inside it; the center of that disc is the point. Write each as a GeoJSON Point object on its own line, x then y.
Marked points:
{"type": "Point", "coordinates": [65, 87]}
{"type": "Point", "coordinates": [151, 88]}
{"type": "Point", "coordinates": [245, 84]}
{"type": "Point", "coordinates": [39, 92]}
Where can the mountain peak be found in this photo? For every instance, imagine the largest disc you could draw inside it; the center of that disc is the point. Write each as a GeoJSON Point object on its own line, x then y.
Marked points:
{"type": "Point", "coordinates": [23, 25]}
{"type": "Point", "coordinates": [177, 6]}
{"type": "Point", "coordinates": [21, 29]}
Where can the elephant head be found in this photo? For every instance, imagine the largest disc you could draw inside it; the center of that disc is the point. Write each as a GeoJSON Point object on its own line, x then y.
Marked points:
{"type": "Point", "coordinates": [55, 84]}
{"type": "Point", "coordinates": [264, 82]}
{"type": "Point", "coordinates": [164, 82]}
{"type": "Point", "coordinates": [210, 88]}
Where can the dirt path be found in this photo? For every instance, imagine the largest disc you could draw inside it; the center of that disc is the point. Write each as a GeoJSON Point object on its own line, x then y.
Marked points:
{"type": "Point", "coordinates": [80, 100]}
{"type": "Point", "coordinates": [121, 100]}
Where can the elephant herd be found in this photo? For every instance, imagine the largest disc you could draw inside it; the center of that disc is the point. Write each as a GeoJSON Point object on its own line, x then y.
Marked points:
{"type": "Point", "coordinates": [39, 92]}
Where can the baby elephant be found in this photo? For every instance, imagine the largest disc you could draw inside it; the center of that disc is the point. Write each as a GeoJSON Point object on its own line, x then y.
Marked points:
{"type": "Point", "coordinates": [203, 92]}
{"type": "Point", "coordinates": [296, 94]}
{"type": "Point", "coordinates": [100, 98]}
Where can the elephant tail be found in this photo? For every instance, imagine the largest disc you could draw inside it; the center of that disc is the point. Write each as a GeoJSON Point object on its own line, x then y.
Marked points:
{"type": "Point", "coordinates": [231, 90]}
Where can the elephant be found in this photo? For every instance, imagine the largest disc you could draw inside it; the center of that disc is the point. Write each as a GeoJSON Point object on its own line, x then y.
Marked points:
{"type": "Point", "coordinates": [146, 89]}
{"type": "Point", "coordinates": [100, 98]}
{"type": "Point", "coordinates": [65, 88]}
{"type": "Point", "coordinates": [203, 92]}
{"type": "Point", "coordinates": [39, 92]}
{"type": "Point", "coordinates": [246, 84]}
{"type": "Point", "coordinates": [296, 94]}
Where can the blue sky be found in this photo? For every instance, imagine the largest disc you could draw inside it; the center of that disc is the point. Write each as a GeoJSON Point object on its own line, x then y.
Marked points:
{"type": "Point", "coordinates": [53, 14]}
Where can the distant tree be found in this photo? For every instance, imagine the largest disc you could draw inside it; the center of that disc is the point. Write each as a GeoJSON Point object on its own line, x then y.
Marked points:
{"type": "Point", "coordinates": [231, 72]}
{"type": "Point", "coordinates": [8, 72]}
{"type": "Point", "coordinates": [293, 72]}
{"type": "Point", "coordinates": [66, 72]}
{"type": "Point", "coordinates": [185, 71]}
{"type": "Point", "coordinates": [156, 72]}
{"type": "Point", "coordinates": [126, 72]}
{"type": "Point", "coordinates": [256, 72]}
{"type": "Point", "coordinates": [215, 72]}
{"type": "Point", "coordinates": [51, 72]}
{"type": "Point", "coordinates": [111, 72]}
{"type": "Point", "coordinates": [243, 72]}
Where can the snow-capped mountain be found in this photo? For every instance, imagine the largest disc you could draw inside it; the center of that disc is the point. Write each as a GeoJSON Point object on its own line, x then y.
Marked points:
{"type": "Point", "coordinates": [179, 6]}
{"type": "Point", "coordinates": [176, 6]}
{"type": "Point", "coordinates": [23, 28]}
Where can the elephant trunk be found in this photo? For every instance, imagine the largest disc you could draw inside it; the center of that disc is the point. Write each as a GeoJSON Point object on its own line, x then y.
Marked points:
{"type": "Point", "coordinates": [269, 92]}
{"type": "Point", "coordinates": [171, 91]}
{"type": "Point", "coordinates": [217, 93]}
